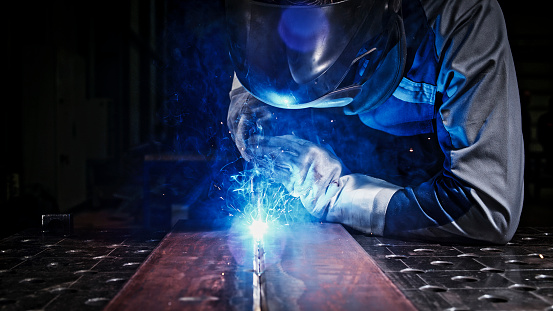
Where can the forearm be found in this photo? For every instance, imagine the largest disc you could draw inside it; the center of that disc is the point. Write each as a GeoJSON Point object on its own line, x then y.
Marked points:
{"type": "Point", "coordinates": [447, 210]}
{"type": "Point", "coordinates": [443, 209]}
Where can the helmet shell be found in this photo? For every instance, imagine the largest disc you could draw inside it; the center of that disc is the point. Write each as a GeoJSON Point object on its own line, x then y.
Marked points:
{"type": "Point", "coordinates": [297, 56]}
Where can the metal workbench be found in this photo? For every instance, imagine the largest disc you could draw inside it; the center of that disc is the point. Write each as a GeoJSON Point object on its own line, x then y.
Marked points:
{"type": "Point", "coordinates": [91, 268]}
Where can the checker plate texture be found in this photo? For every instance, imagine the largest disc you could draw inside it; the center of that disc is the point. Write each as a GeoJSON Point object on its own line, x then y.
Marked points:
{"type": "Point", "coordinates": [517, 276]}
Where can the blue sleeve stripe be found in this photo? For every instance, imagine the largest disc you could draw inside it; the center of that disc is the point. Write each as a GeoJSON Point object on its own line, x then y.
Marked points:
{"type": "Point", "coordinates": [415, 92]}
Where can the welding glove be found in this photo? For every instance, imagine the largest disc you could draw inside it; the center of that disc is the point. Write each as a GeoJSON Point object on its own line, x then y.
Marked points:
{"type": "Point", "coordinates": [307, 170]}
{"type": "Point", "coordinates": [317, 177]}
{"type": "Point", "coordinates": [247, 116]}
{"type": "Point", "coordinates": [361, 203]}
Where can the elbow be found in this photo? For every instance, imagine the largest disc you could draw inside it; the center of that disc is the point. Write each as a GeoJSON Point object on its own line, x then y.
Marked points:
{"type": "Point", "coordinates": [487, 221]}
{"type": "Point", "coordinates": [502, 228]}
{"type": "Point", "coordinates": [496, 222]}
{"type": "Point", "coordinates": [474, 229]}
{"type": "Point", "coordinates": [501, 233]}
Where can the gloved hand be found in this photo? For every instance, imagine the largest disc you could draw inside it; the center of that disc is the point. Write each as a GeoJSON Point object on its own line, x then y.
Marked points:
{"type": "Point", "coordinates": [247, 116]}
{"type": "Point", "coordinates": [307, 170]}
{"type": "Point", "coordinates": [318, 178]}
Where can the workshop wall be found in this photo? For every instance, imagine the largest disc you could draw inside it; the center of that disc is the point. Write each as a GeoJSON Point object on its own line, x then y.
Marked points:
{"type": "Point", "coordinates": [97, 87]}
{"type": "Point", "coordinates": [85, 81]}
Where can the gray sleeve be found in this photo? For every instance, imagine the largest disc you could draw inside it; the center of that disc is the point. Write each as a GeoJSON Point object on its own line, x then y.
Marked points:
{"type": "Point", "coordinates": [479, 195]}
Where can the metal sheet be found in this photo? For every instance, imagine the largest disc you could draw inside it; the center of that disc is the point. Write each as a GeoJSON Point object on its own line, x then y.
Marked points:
{"type": "Point", "coordinates": [191, 270]}
{"type": "Point", "coordinates": [323, 268]}
{"type": "Point", "coordinates": [307, 267]}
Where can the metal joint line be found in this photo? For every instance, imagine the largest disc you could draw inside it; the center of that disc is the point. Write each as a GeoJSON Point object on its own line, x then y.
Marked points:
{"type": "Point", "coordinates": [259, 299]}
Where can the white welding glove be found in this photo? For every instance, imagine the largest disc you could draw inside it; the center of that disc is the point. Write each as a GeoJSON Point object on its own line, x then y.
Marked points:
{"type": "Point", "coordinates": [361, 203]}
{"type": "Point", "coordinates": [315, 175]}
{"type": "Point", "coordinates": [247, 116]}
{"type": "Point", "coordinates": [307, 170]}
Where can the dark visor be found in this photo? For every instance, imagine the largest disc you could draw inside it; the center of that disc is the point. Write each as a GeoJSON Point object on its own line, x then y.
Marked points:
{"type": "Point", "coordinates": [289, 56]}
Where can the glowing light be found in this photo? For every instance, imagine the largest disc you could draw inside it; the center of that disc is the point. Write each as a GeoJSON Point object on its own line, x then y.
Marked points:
{"type": "Point", "coordinates": [258, 229]}
{"type": "Point", "coordinates": [256, 201]}
{"type": "Point", "coordinates": [280, 100]}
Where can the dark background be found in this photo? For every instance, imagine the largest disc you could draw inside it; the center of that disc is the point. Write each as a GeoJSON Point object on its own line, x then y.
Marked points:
{"type": "Point", "coordinates": [102, 94]}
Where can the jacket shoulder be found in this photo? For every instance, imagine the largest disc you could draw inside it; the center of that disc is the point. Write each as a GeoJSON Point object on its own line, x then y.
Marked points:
{"type": "Point", "coordinates": [451, 10]}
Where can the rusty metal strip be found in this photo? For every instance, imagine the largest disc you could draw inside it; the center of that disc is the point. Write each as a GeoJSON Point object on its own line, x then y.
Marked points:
{"type": "Point", "coordinates": [192, 270]}
{"type": "Point", "coordinates": [306, 267]}
{"type": "Point", "coordinates": [321, 267]}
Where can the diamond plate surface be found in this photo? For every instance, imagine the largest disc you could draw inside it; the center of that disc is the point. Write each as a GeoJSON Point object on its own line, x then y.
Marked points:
{"type": "Point", "coordinates": [517, 276]}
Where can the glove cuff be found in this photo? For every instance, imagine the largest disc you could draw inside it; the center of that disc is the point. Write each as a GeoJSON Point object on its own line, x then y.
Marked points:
{"type": "Point", "coordinates": [362, 203]}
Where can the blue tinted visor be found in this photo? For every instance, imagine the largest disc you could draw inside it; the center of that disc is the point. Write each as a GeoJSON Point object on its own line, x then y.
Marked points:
{"type": "Point", "coordinates": [293, 56]}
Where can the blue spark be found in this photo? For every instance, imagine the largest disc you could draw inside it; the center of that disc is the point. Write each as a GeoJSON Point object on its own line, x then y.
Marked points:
{"type": "Point", "coordinates": [258, 201]}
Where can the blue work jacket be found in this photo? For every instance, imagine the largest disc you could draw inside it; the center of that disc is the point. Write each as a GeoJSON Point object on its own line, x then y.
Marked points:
{"type": "Point", "coordinates": [459, 90]}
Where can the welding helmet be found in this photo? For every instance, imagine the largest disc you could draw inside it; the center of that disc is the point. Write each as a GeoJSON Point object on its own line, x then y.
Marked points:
{"type": "Point", "coordinates": [292, 55]}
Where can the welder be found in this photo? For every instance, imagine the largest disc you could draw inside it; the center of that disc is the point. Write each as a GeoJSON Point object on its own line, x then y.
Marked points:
{"type": "Point", "coordinates": [427, 90]}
